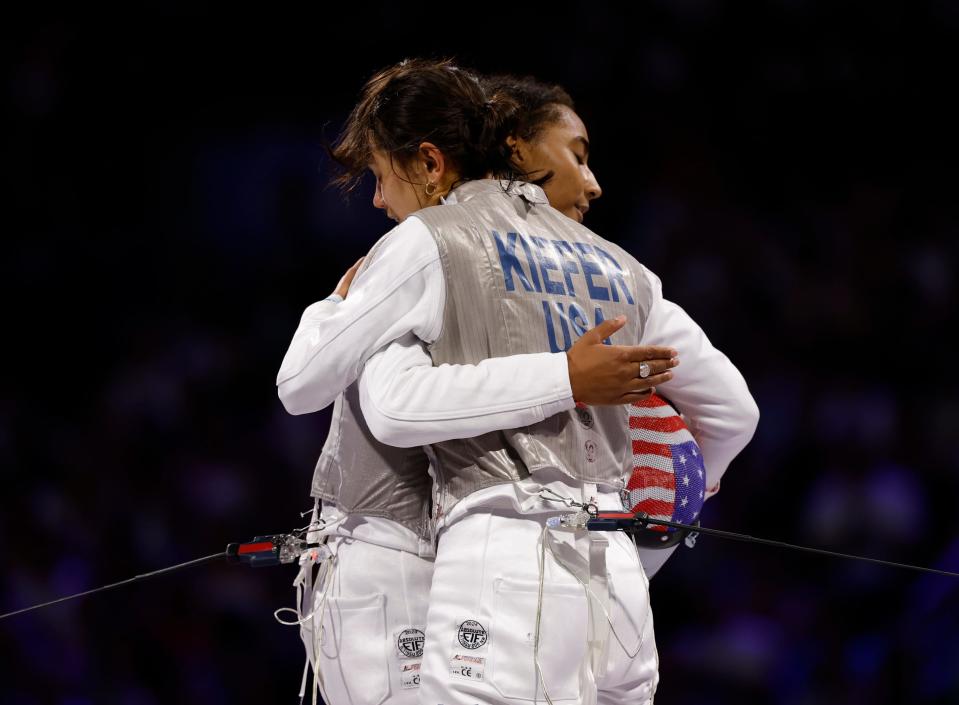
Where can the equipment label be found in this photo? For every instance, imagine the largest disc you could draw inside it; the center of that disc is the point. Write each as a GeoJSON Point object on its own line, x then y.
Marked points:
{"type": "Point", "coordinates": [468, 667]}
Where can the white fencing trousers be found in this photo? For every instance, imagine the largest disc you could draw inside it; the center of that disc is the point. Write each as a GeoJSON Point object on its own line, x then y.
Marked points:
{"type": "Point", "coordinates": [371, 645]}
{"type": "Point", "coordinates": [481, 627]}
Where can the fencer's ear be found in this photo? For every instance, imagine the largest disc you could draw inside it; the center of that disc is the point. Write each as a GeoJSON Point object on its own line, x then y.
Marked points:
{"type": "Point", "coordinates": [517, 149]}
{"type": "Point", "coordinates": [434, 162]}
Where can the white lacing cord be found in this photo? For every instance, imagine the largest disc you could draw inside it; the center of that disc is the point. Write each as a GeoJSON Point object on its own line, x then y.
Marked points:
{"type": "Point", "coordinates": [569, 502]}
{"type": "Point", "coordinates": [609, 618]}
{"type": "Point", "coordinates": [544, 546]}
{"type": "Point", "coordinates": [584, 513]}
{"type": "Point", "coordinates": [539, 614]}
{"type": "Point", "coordinates": [306, 666]}
{"type": "Point", "coordinates": [557, 497]}
{"type": "Point", "coordinates": [318, 684]}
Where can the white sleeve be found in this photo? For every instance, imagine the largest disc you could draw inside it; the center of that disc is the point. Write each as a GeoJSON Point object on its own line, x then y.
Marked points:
{"type": "Point", "coordinates": [401, 291]}
{"type": "Point", "coordinates": [407, 402]}
{"type": "Point", "coordinates": [706, 387]}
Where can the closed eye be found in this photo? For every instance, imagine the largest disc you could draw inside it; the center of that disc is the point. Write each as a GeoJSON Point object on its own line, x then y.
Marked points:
{"type": "Point", "coordinates": [583, 144]}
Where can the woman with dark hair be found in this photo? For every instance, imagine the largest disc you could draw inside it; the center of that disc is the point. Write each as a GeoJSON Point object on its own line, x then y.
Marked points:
{"type": "Point", "coordinates": [367, 615]}
{"type": "Point", "coordinates": [508, 506]}
{"type": "Point", "coordinates": [549, 143]}
{"type": "Point", "coordinates": [668, 476]}
{"type": "Point", "coordinates": [674, 471]}
{"type": "Point", "coordinates": [673, 474]}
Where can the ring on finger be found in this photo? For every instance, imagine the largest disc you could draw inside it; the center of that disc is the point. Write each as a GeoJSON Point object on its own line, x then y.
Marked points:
{"type": "Point", "coordinates": [644, 370]}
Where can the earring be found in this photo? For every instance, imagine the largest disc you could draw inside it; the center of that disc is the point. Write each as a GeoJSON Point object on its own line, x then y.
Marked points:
{"type": "Point", "coordinates": [430, 189]}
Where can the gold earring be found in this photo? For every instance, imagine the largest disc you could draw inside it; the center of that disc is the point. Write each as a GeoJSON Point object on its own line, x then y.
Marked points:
{"type": "Point", "coordinates": [430, 189]}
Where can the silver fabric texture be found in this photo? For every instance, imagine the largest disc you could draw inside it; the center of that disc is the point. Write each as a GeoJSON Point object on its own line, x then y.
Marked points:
{"type": "Point", "coordinates": [522, 278]}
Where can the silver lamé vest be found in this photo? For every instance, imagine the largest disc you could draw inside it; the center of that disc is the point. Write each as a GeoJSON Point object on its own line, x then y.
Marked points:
{"type": "Point", "coordinates": [522, 278]}
{"type": "Point", "coordinates": [366, 477]}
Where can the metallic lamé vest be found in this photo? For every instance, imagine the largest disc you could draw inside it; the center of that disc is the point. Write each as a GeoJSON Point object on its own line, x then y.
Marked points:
{"type": "Point", "coordinates": [521, 278]}
{"type": "Point", "coordinates": [366, 477]}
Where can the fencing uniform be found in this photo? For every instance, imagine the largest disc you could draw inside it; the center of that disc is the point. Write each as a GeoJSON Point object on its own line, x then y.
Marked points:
{"type": "Point", "coordinates": [363, 620]}
{"type": "Point", "coordinates": [510, 599]}
{"type": "Point", "coordinates": [366, 614]}
{"type": "Point", "coordinates": [545, 280]}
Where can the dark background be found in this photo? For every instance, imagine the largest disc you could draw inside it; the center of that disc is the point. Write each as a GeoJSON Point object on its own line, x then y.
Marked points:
{"type": "Point", "coordinates": [784, 167]}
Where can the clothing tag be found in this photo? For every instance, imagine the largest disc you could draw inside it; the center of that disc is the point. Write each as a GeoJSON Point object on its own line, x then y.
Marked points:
{"type": "Point", "coordinates": [467, 666]}
{"type": "Point", "coordinates": [410, 675]}
{"type": "Point", "coordinates": [409, 642]}
{"type": "Point", "coordinates": [470, 644]}
{"type": "Point", "coordinates": [471, 635]}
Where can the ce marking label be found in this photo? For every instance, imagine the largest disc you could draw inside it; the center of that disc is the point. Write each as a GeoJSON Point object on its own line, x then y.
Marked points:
{"type": "Point", "coordinates": [469, 667]}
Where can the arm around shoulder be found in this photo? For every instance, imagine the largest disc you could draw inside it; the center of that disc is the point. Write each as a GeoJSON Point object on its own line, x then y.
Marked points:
{"type": "Point", "coordinates": [408, 402]}
{"type": "Point", "coordinates": [400, 291]}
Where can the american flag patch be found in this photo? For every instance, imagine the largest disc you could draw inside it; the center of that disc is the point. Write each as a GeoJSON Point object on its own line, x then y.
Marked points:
{"type": "Point", "coordinates": [668, 479]}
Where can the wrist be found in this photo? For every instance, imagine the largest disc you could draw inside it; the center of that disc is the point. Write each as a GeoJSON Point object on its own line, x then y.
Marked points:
{"type": "Point", "coordinates": [569, 373]}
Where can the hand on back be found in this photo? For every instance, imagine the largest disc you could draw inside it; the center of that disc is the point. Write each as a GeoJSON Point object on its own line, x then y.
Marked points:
{"type": "Point", "coordinates": [612, 374]}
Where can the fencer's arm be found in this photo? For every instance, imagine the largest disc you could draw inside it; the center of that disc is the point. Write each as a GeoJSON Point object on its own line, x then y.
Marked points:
{"type": "Point", "coordinates": [407, 402]}
{"type": "Point", "coordinates": [707, 388]}
{"type": "Point", "coordinates": [401, 291]}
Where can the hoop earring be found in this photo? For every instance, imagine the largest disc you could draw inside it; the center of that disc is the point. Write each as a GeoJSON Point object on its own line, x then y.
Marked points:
{"type": "Point", "coordinates": [430, 189]}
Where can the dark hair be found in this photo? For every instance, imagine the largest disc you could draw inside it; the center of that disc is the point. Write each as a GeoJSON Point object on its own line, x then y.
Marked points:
{"type": "Point", "coordinates": [539, 103]}
{"type": "Point", "coordinates": [420, 100]}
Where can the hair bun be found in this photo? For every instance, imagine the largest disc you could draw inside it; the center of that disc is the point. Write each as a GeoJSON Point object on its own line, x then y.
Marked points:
{"type": "Point", "coordinates": [427, 100]}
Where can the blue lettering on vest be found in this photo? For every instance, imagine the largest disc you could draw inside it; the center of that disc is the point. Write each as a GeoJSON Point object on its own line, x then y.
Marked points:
{"type": "Point", "coordinates": [532, 265]}
{"type": "Point", "coordinates": [591, 269]}
{"type": "Point", "coordinates": [577, 317]}
{"type": "Point", "coordinates": [551, 328]}
{"type": "Point", "coordinates": [565, 252]}
{"type": "Point", "coordinates": [546, 263]}
{"type": "Point", "coordinates": [598, 318]}
{"type": "Point", "coordinates": [510, 262]}
{"type": "Point", "coordinates": [616, 278]}
{"type": "Point", "coordinates": [562, 324]}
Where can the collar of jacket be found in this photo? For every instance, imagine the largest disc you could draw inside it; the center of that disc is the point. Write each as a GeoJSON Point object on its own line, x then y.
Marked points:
{"type": "Point", "coordinates": [469, 189]}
